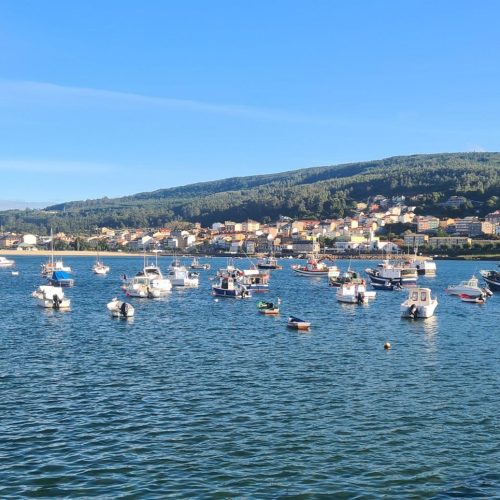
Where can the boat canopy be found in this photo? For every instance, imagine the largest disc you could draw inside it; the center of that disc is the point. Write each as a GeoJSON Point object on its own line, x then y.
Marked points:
{"type": "Point", "coordinates": [60, 276]}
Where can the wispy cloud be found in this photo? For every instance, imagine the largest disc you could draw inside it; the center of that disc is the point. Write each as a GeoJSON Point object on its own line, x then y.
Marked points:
{"type": "Point", "coordinates": [43, 92]}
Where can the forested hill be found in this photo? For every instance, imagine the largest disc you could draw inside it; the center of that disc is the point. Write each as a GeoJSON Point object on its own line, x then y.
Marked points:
{"type": "Point", "coordinates": [313, 192]}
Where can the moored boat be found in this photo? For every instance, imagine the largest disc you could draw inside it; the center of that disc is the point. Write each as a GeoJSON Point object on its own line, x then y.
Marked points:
{"type": "Point", "coordinates": [269, 262]}
{"type": "Point", "coordinates": [354, 293]}
{"type": "Point", "coordinates": [255, 280]}
{"type": "Point", "coordinates": [4, 262]}
{"type": "Point", "coordinates": [99, 267]}
{"type": "Point", "coordinates": [269, 308]}
{"type": "Point", "coordinates": [472, 298]}
{"type": "Point", "coordinates": [469, 287]}
{"type": "Point", "coordinates": [51, 297]}
{"type": "Point", "coordinates": [62, 279]}
{"type": "Point", "coordinates": [419, 304]}
{"type": "Point", "coordinates": [316, 267]}
{"type": "Point", "coordinates": [492, 279]}
{"type": "Point", "coordinates": [298, 324]}
{"type": "Point", "coordinates": [230, 287]}
{"type": "Point", "coordinates": [144, 287]}
{"type": "Point", "coordinates": [393, 273]}
{"type": "Point", "coordinates": [196, 264]}
{"type": "Point", "coordinates": [119, 309]}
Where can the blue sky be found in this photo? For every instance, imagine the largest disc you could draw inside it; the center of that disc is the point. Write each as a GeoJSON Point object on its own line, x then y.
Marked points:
{"type": "Point", "coordinates": [107, 98]}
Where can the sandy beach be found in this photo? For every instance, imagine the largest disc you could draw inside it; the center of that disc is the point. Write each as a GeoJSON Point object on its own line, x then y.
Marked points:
{"type": "Point", "coordinates": [68, 253]}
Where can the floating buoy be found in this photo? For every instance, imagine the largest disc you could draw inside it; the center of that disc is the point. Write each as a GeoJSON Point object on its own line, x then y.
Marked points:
{"type": "Point", "coordinates": [387, 345]}
{"type": "Point", "coordinates": [216, 300]}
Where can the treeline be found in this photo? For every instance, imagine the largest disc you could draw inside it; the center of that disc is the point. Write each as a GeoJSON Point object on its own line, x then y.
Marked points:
{"type": "Point", "coordinates": [321, 192]}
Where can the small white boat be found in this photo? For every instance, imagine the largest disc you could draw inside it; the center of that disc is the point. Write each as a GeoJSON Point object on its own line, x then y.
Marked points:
{"type": "Point", "coordinates": [475, 299]}
{"type": "Point", "coordinates": [4, 262]}
{"type": "Point", "coordinates": [419, 304]}
{"type": "Point", "coordinates": [14, 273]}
{"type": "Point", "coordinates": [255, 279]}
{"type": "Point", "coordinates": [298, 324]}
{"type": "Point", "coordinates": [180, 276]}
{"type": "Point", "coordinates": [354, 293]}
{"type": "Point", "coordinates": [468, 287]}
{"type": "Point", "coordinates": [269, 262]}
{"type": "Point", "coordinates": [100, 268]}
{"type": "Point", "coordinates": [195, 264]}
{"type": "Point", "coordinates": [143, 287]}
{"type": "Point", "coordinates": [119, 309]}
{"type": "Point", "coordinates": [51, 297]}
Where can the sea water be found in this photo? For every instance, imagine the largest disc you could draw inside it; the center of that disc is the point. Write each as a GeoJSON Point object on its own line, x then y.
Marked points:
{"type": "Point", "coordinates": [204, 397]}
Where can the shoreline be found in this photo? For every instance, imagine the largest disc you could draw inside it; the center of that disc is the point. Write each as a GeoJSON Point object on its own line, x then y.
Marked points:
{"type": "Point", "coordinates": [90, 253]}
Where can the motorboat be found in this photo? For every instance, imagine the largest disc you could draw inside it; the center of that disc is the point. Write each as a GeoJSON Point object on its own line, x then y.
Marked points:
{"type": "Point", "coordinates": [268, 308]}
{"type": "Point", "coordinates": [419, 304]}
{"type": "Point", "coordinates": [392, 273]}
{"type": "Point", "coordinates": [180, 276]}
{"type": "Point", "coordinates": [196, 264]}
{"type": "Point", "coordinates": [255, 280]}
{"type": "Point", "coordinates": [475, 299]}
{"type": "Point", "coordinates": [269, 262]}
{"type": "Point", "coordinates": [492, 279]}
{"type": "Point", "coordinates": [153, 278]}
{"type": "Point", "coordinates": [468, 287]}
{"type": "Point", "coordinates": [230, 287]}
{"type": "Point", "coordinates": [61, 279]}
{"type": "Point", "coordinates": [4, 262]}
{"type": "Point", "coordinates": [100, 268]}
{"type": "Point", "coordinates": [143, 287]}
{"type": "Point", "coordinates": [119, 309]}
{"type": "Point", "coordinates": [298, 324]}
{"type": "Point", "coordinates": [51, 297]}
{"type": "Point", "coordinates": [316, 267]}
{"type": "Point", "coordinates": [354, 293]}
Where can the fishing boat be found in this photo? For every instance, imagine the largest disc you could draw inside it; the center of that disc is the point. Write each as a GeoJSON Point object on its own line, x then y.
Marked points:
{"type": "Point", "coordinates": [255, 280]}
{"type": "Point", "coordinates": [419, 304]}
{"type": "Point", "coordinates": [53, 265]}
{"type": "Point", "coordinates": [492, 279]}
{"type": "Point", "coordinates": [4, 262]}
{"type": "Point", "coordinates": [268, 308]}
{"type": "Point", "coordinates": [61, 279]}
{"type": "Point", "coordinates": [475, 299]}
{"type": "Point", "coordinates": [230, 287]}
{"type": "Point", "coordinates": [269, 262]}
{"type": "Point", "coordinates": [469, 287]}
{"type": "Point", "coordinates": [393, 273]}
{"type": "Point", "coordinates": [298, 324]}
{"type": "Point", "coordinates": [354, 293]}
{"type": "Point", "coordinates": [196, 264]}
{"type": "Point", "coordinates": [51, 297]}
{"type": "Point", "coordinates": [119, 309]}
{"type": "Point", "coordinates": [316, 267]}
{"type": "Point", "coordinates": [346, 277]}
{"type": "Point", "coordinates": [99, 267]}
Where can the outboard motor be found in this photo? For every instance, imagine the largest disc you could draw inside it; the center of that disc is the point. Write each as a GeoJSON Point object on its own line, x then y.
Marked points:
{"type": "Point", "coordinates": [124, 309]}
{"type": "Point", "coordinates": [413, 311]}
{"type": "Point", "coordinates": [56, 302]}
{"type": "Point", "coordinates": [360, 298]}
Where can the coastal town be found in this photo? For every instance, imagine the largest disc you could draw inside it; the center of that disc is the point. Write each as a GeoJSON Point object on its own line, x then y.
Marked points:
{"type": "Point", "coordinates": [385, 225]}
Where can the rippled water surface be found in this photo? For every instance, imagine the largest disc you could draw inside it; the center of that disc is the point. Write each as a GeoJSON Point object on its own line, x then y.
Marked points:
{"type": "Point", "coordinates": [196, 397]}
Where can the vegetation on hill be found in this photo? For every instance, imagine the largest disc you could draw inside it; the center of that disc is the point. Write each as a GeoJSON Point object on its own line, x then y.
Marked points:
{"type": "Point", "coordinates": [320, 192]}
